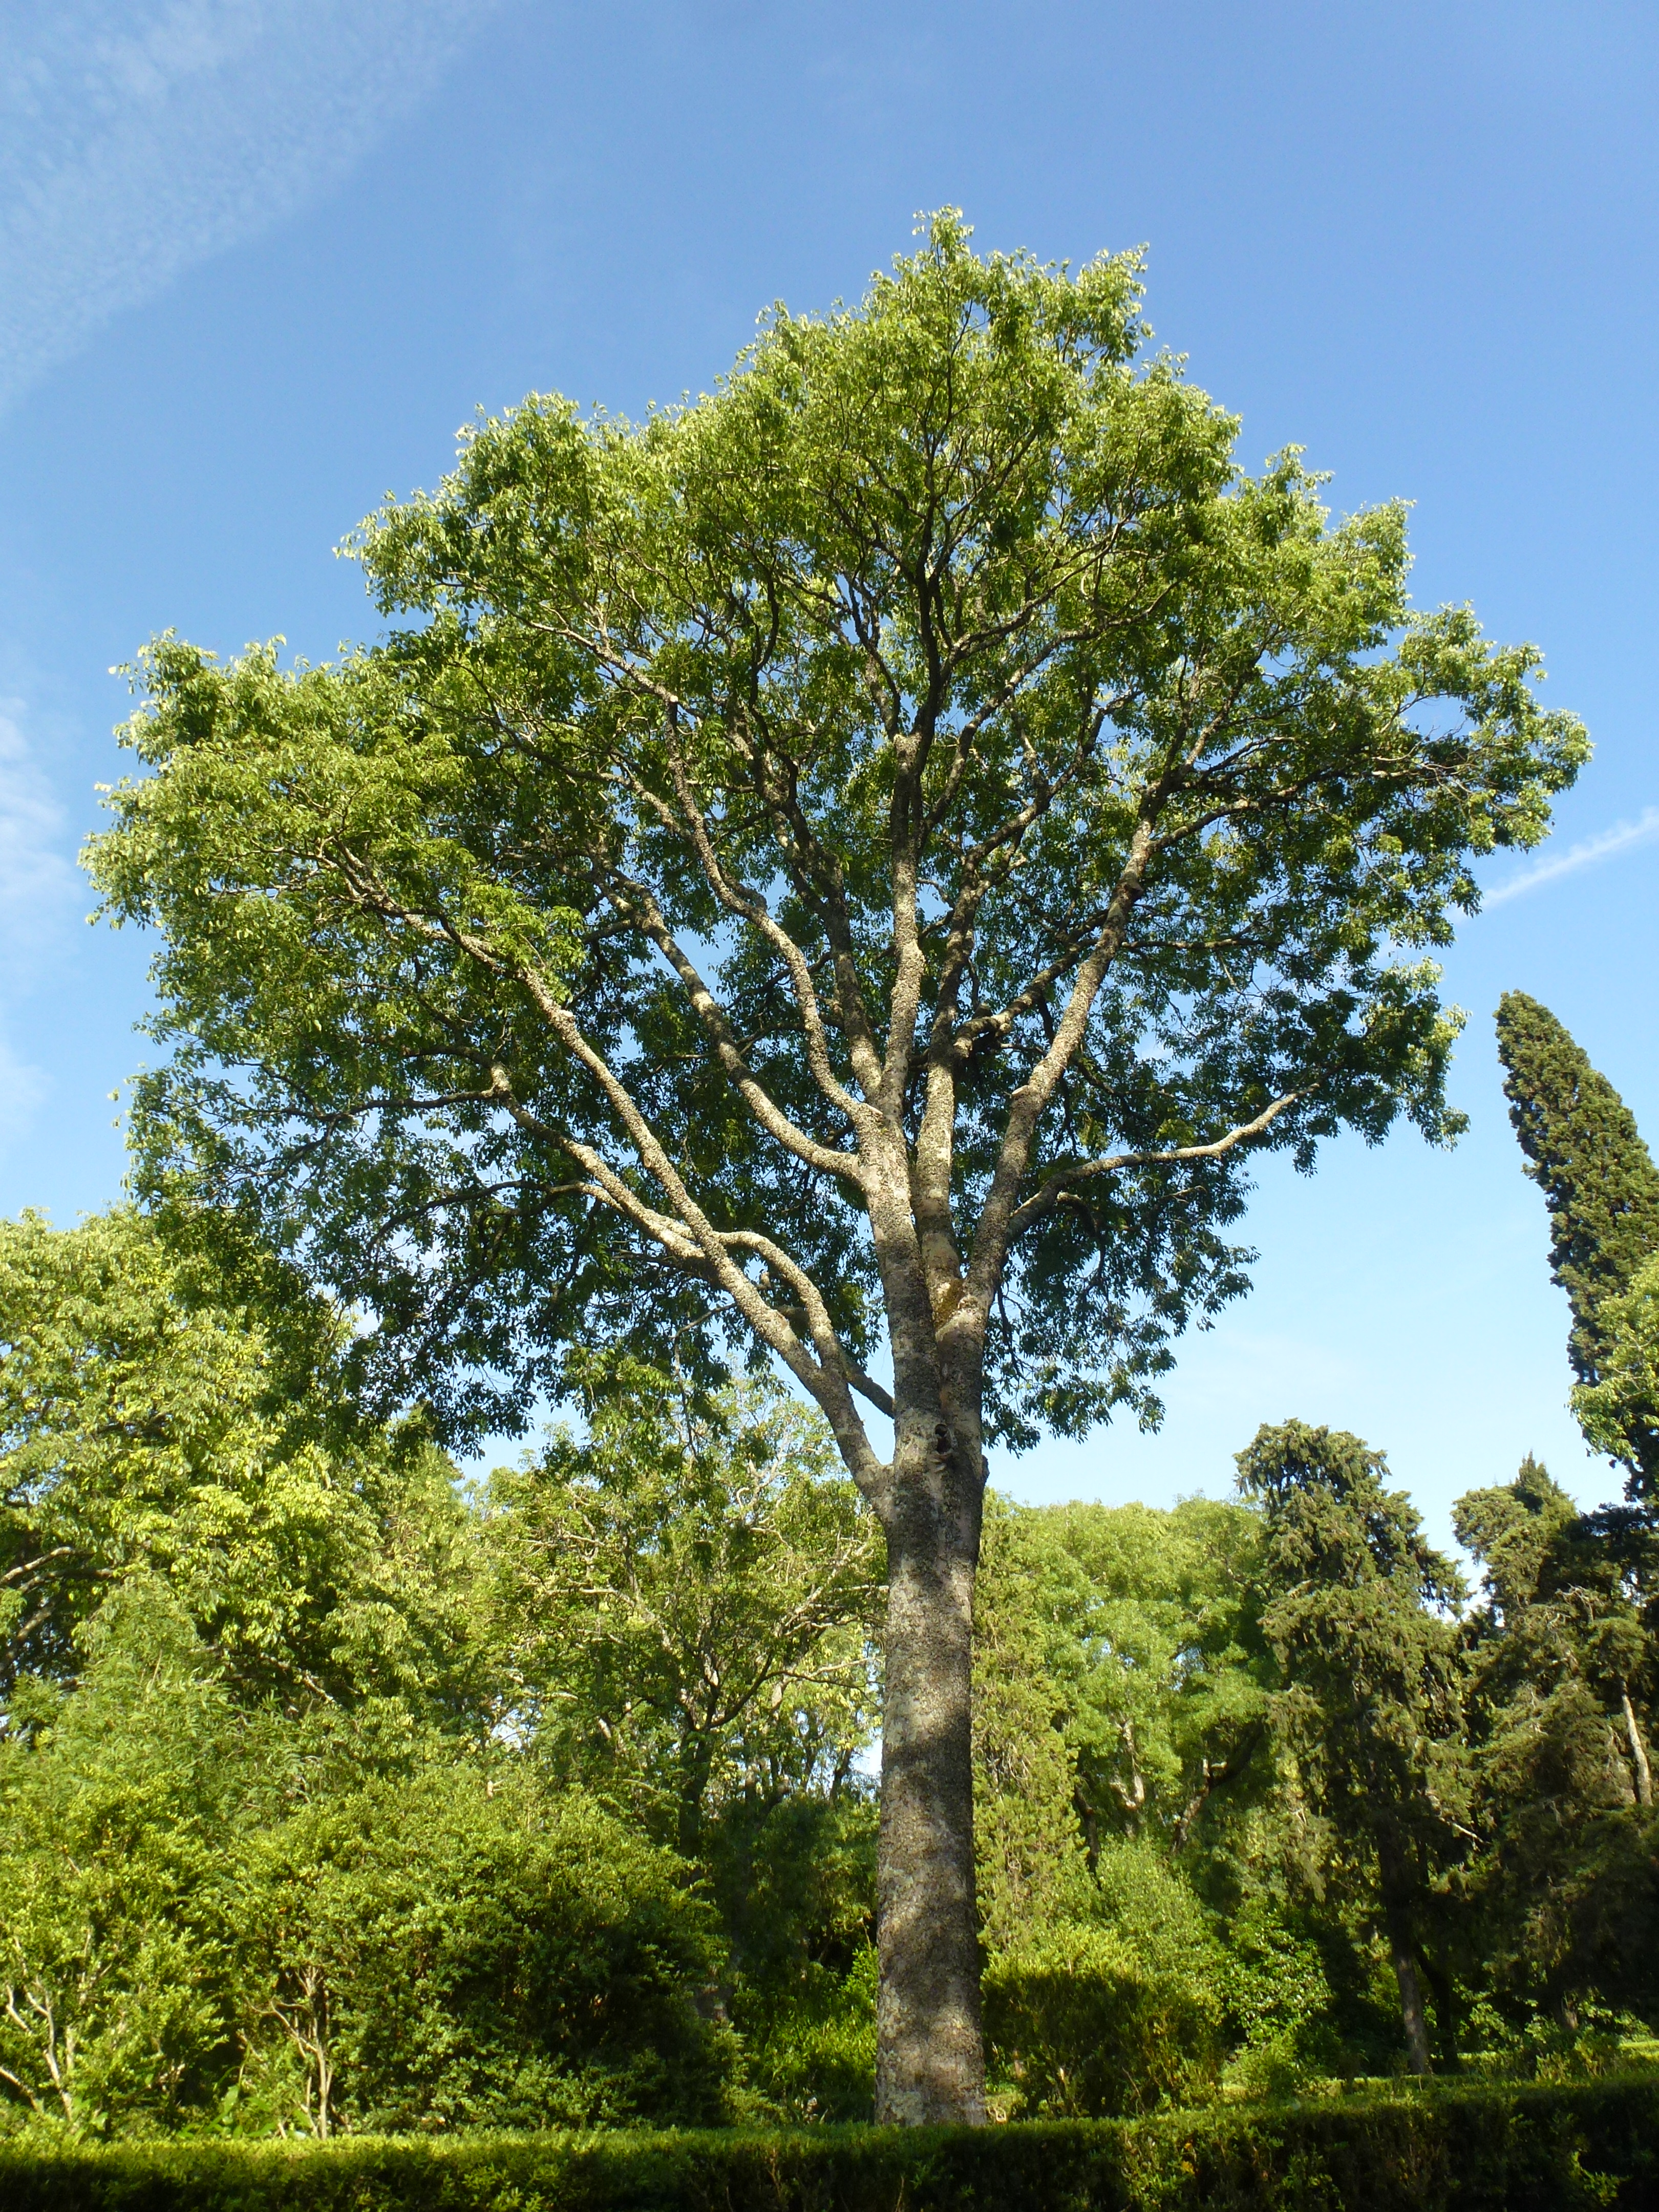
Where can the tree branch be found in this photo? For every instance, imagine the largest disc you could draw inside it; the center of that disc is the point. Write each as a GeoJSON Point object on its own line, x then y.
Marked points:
{"type": "Point", "coordinates": [826, 1159]}
{"type": "Point", "coordinates": [749, 906]}
{"type": "Point", "coordinates": [690, 1231]}
{"type": "Point", "coordinates": [1062, 1178]}
{"type": "Point", "coordinates": [1025, 1108]}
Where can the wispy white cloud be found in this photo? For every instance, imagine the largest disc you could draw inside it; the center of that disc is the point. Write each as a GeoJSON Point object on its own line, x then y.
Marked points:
{"type": "Point", "coordinates": [39, 892]}
{"type": "Point", "coordinates": [1585, 854]}
{"type": "Point", "coordinates": [23, 1094]}
{"type": "Point", "coordinates": [139, 136]}
{"type": "Point", "coordinates": [37, 879]}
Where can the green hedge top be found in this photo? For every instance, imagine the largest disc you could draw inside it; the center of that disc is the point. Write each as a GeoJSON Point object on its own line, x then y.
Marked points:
{"type": "Point", "coordinates": [1511, 2150]}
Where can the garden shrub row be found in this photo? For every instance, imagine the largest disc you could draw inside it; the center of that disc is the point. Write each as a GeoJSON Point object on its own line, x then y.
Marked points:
{"type": "Point", "coordinates": [1534, 2148]}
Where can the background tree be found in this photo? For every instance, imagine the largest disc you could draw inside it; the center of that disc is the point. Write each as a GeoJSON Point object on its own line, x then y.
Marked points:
{"type": "Point", "coordinates": [1120, 1717]}
{"type": "Point", "coordinates": [1029, 1842]}
{"type": "Point", "coordinates": [118, 1989]}
{"type": "Point", "coordinates": [204, 1921]}
{"type": "Point", "coordinates": [1558, 1703]}
{"type": "Point", "coordinates": [1357, 1614]}
{"type": "Point", "coordinates": [1156, 1907]}
{"type": "Point", "coordinates": [1618, 1412]}
{"type": "Point", "coordinates": [857, 862]}
{"type": "Point", "coordinates": [1583, 1149]}
{"type": "Point", "coordinates": [685, 1599]}
{"type": "Point", "coordinates": [1124, 1685]}
{"type": "Point", "coordinates": [256, 1875]}
{"type": "Point", "coordinates": [462, 1946]}
{"type": "Point", "coordinates": [1562, 1653]}
{"type": "Point", "coordinates": [159, 1422]}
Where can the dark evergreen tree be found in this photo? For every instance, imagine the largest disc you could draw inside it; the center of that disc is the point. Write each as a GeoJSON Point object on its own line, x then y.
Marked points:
{"type": "Point", "coordinates": [1585, 1152]}
{"type": "Point", "coordinates": [1558, 1703]}
{"type": "Point", "coordinates": [1359, 1614]}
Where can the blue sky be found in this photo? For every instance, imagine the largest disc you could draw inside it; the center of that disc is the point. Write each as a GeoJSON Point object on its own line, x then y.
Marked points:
{"type": "Point", "coordinates": [259, 258]}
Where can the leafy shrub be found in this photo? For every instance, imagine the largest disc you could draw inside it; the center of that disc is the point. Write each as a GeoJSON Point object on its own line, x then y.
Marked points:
{"type": "Point", "coordinates": [1114, 2004]}
{"type": "Point", "coordinates": [818, 2060]}
{"type": "Point", "coordinates": [1083, 2026]}
{"type": "Point", "coordinates": [117, 2003]}
{"type": "Point", "coordinates": [795, 1882]}
{"type": "Point", "coordinates": [1276, 1987]}
{"type": "Point", "coordinates": [448, 1952]}
{"type": "Point", "coordinates": [180, 1947]}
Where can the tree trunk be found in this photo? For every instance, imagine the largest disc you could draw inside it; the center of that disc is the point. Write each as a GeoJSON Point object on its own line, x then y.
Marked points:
{"type": "Point", "coordinates": [696, 1761]}
{"type": "Point", "coordinates": [1394, 1881]}
{"type": "Point", "coordinates": [930, 2061]}
{"type": "Point", "coordinates": [1403, 1953]}
{"type": "Point", "coordinates": [1638, 1751]}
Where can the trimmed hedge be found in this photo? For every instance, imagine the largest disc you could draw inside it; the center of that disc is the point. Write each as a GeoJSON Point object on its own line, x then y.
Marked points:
{"type": "Point", "coordinates": [1513, 2149]}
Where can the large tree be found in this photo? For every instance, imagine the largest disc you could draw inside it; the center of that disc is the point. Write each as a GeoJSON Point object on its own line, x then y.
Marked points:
{"type": "Point", "coordinates": [1558, 1702]}
{"type": "Point", "coordinates": [1618, 1412]}
{"type": "Point", "coordinates": [853, 866]}
{"type": "Point", "coordinates": [1121, 1690]}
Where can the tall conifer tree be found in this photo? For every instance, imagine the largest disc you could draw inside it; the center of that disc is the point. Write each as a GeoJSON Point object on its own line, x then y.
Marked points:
{"type": "Point", "coordinates": [1359, 1616]}
{"type": "Point", "coordinates": [1585, 1152]}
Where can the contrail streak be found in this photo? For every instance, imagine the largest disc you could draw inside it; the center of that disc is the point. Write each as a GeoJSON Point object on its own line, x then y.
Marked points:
{"type": "Point", "coordinates": [1602, 847]}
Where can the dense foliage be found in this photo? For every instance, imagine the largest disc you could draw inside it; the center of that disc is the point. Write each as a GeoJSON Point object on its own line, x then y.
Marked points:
{"type": "Point", "coordinates": [264, 1860]}
{"type": "Point", "coordinates": [1619, 1411]}
{"type": "Point", "coordinates": [155, 1417]}
{"type": "Point", "coordinates": [1585, 1152]}
{"type": "Point", "coordinates": [1561, 2148]}
{"type": "Point", "coordinates": [337, 1796]}
{"type": "Point", "coordinates": [934, 711]}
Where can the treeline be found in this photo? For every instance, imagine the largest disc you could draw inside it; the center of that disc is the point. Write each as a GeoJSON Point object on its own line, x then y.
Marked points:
{"type": "Point", "coordinates": [337, 1796]}
{"type": "Point", "coordinates": [334, 1795]}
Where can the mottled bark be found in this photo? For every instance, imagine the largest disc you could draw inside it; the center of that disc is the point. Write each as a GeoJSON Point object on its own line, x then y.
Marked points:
{"type": "Point", "coordinates": [930, 2055]}
{"type": "Point", "coordinates": [1131, 1794]}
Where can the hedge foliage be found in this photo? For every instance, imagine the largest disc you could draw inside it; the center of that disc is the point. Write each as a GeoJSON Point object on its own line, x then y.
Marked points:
{"type": "Point", "coordinates": [1512, 2150]}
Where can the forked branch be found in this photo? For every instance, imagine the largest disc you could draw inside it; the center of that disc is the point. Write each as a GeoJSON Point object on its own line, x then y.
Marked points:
{"type": "Point", "coordinates": [1064, 1178]}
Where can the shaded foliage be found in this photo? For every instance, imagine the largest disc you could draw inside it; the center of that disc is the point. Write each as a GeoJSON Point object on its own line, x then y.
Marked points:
{"type": "Point", "coordinates": [1358, 1615]}
{"type": "Point", "coordinates": [1560, 1690]}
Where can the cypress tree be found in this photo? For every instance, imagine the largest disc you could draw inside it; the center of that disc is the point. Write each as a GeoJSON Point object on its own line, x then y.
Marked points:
{"type": "Point", "coordinates": [1585, 1152]}
{"type": "Point", "coordinates": [1357, 1615]}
